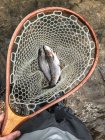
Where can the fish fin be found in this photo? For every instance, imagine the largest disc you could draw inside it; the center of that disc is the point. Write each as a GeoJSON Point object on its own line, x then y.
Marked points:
{"type": "Point", "coordinates": [53, 57]}
{"type": "Point", "coordinates": [51, 85]}
{"type": "Point", "coordinates": [47, 87]}
{"type": "Point", "coordinates": [59, 78]}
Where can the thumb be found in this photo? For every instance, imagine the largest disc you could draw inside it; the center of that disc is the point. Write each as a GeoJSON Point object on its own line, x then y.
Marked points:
{"type": "Point", "coordinates": [13, 135]}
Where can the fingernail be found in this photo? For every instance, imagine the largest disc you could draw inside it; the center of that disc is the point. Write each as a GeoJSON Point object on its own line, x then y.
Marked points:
{"type": "Point", "coordinates": [18, 133]}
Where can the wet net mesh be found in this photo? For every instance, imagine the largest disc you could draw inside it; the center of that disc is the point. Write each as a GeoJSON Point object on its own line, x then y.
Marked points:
{"type": "Point", "coordinates": [72, 42]}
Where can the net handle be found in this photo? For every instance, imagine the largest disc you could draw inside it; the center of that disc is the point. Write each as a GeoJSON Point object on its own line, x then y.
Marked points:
{"type": "Point", "coordinates": [35, 13]}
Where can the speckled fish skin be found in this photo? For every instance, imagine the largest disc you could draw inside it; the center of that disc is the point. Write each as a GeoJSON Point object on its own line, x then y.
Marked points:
{"type": "Point", "coordinates": [54, 65]}
{"type": "Point", "coordinates": [43, 64]}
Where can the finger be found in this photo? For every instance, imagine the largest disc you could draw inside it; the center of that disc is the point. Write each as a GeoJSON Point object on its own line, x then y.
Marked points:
{"type": "Point", "coordinates": [13, 135]}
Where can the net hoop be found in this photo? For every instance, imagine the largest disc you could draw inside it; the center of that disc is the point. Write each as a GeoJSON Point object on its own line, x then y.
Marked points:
{"type": "Point", "coordinates": [18, 29]}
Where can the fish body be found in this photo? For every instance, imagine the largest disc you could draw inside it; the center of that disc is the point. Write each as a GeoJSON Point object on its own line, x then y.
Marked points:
{"type": "Point", "coordinates": [54, 65]}
{"type": "Point", "coordinates": [43, 64]}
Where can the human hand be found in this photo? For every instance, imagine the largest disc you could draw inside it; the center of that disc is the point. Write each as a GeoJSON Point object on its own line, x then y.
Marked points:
{"type": "Point", "coordinates": [11, 136]}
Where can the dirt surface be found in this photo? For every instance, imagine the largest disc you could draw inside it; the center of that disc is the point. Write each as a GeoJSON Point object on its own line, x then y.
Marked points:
{"type": "Point", "coordinates": [89, 102]}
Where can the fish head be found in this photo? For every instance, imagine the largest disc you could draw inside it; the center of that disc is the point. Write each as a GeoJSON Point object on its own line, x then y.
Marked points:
{"type": "Point", "coordinates": [48, 52]}
{"type": "Point", "coordinates": [40, 52]}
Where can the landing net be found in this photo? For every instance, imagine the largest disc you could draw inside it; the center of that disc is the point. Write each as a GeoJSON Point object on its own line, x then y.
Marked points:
{"type": "Point", "coordinates": [75, 48]}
